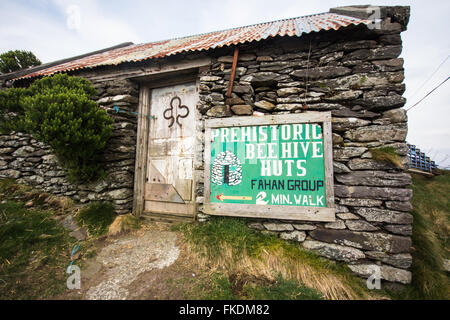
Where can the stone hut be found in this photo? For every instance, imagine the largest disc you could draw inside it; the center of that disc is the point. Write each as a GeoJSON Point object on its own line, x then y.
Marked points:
{"type": "Point", "coordinates": [344, 62]}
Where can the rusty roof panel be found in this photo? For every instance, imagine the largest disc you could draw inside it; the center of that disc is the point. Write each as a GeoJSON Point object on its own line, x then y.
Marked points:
{"type": "Point", "coordinates": [133, 53]}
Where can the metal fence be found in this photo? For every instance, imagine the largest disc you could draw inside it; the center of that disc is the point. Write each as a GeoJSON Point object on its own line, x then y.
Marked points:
{"type": "Point", "coordinates": [418, 159]}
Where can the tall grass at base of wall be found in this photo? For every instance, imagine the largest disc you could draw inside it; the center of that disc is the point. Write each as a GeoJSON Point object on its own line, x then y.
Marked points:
{"type": "Point", "coordinates": [431, 234]}
{"type": "Point", "coordinates": [247, 259]}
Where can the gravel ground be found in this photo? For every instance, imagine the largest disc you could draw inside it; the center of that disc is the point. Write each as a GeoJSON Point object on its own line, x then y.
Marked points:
{"type": "Point", "coordinates": [124, 259]}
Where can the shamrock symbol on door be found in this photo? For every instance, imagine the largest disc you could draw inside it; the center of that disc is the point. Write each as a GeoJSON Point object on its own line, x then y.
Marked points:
{"type": "Point", "coordinates": [168, 113]}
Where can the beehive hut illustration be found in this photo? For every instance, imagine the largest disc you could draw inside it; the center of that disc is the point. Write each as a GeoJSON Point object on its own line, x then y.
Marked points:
{"type": "Point", "coordinates": [226, 169]}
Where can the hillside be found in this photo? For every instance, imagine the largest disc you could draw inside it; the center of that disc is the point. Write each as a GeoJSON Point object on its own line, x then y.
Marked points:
{"type": "Point", "coordinates": [220, 259]}
{"type": "Point", "coordinates": [431, 231]}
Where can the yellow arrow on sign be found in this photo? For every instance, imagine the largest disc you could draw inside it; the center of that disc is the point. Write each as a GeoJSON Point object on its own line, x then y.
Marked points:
{"type": "Point", "coordinates": [221, 197]}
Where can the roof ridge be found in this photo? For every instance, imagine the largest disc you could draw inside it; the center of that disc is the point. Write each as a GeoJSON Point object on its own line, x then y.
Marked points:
{"type": "Point", "coordinates": [235, 28]}
{"type": "Point", "coordinates": [295, 26]}
{"type": "Point", "coordinates": [23, 72]}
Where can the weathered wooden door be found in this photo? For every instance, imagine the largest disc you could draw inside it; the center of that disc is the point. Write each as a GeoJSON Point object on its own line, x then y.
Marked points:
{"type": "Point", "coordinates": [169, 187]}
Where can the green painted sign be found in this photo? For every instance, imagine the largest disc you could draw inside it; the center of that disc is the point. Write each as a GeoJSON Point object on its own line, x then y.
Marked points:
{"type": "Point", "coordinates": [268, 165]}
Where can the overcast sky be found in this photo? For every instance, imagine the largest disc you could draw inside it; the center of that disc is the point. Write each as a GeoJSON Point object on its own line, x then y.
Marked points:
{"type": "Point", "coordinates": [56, 29]}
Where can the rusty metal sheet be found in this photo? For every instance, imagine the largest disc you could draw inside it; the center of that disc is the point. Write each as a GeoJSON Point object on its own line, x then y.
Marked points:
{"type": "Point", "coordinates": [139, 52]}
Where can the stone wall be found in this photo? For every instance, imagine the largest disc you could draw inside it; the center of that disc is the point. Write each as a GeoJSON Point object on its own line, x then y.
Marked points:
{"type": "Point", "coordinates": [357, 75]}
{"type": "Point", "coordinates": [31, 162]}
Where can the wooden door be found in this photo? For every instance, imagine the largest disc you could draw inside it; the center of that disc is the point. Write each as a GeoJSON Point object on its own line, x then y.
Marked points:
{"type": "Point", "coordinates": [169, 187]}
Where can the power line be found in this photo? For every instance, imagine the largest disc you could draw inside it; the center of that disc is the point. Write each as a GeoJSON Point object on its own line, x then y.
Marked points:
{"type": "Point", "coordinates": [426, 81]}
{"type": "Point", "coordinates": [427, 94]}
{"type": "Point", "coordinates": [446, 157]}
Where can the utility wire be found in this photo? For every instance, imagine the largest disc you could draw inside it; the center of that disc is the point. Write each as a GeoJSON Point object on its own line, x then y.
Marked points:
{"type": "Point", "coordinates": [425, 82]}
{"type": "Point", "coordinates": [427, 94]}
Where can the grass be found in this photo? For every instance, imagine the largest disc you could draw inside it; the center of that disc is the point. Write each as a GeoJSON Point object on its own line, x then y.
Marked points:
{"type": "Point", "coordinates": [257, 265]}
{"type": "Point", "coordinates": [240, 263]}
{"type": "Point", "coordinates": [97, 217]}
{"type": "Point", "coordinates": [33, 253]}
{"type": "Point", "coordinates": [282, 289]}
{"type": "Point", "coordinates": [34, 247]}
{"type": "Point", "coordinates": [123, 223]}
{"type": "Point", "coordinates": [222, 287]}
{"type": "Point", "coordinates": [431, 231]}
{"type": "Point", "coordinates": [10, 190]}
{"type": "Point", "coordinates": [387, 154]}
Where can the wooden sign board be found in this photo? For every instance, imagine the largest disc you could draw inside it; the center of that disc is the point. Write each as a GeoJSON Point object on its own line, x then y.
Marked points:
{"type": "Point", "coordinates": [277, 166]}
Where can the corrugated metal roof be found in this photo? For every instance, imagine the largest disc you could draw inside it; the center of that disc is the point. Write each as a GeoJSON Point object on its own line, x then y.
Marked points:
{"type": "Point", "coordinates": [133, 53]}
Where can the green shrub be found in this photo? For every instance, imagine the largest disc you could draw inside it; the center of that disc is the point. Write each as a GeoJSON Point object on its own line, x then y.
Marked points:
{"type": "Point", "coordinates": [12, 109]}
{"type": "Point", "coordinates": [61, 83]}
{"type": "Point", "coordinates": [97, 217]}
{"type": "Point", "coordinates": [60, 113]}
{"type": "Point", "coordinates": [15, 60]}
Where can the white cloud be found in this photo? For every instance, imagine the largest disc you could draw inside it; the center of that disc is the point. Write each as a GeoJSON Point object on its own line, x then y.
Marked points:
{"type": "Point", "coordinates": [48, 35]}
{"type": "Point", "coordinates": [95, 29]}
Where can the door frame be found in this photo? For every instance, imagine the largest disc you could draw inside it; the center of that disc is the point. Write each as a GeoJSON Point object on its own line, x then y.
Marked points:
{"type": "Point", "coordinates": [172, 74]}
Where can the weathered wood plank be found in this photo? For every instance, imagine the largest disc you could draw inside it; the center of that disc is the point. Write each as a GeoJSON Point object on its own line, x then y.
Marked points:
{"type": "Point", "coordinates": [272, 212]}
{"type": "Point", "coordinates": [144, 73]}
{"type": "Point", "coordinates": [162, 192]}
{"type": "Point", "coordinates": [207, 165]}
{"type": "Point", "coordinates": [170, 208]}
{"type": "Point", "coordinates": [184, 188]}
{"type": "Point", "coordinates": [328, 159]}
{"type": "Point", "coordinates": [141, 151]}
{"type": "Point", "coordinates": [155, 176]}
{"type": "Point", "coordinates": [306, 117]}
{"type": "Point", "coordinates": [166, 217]}
{"type": "Point", "coordinates": [425, 173]}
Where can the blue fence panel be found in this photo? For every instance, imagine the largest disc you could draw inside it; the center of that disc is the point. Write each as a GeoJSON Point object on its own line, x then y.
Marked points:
{"type": "Point", "coordinates": [419, 160]}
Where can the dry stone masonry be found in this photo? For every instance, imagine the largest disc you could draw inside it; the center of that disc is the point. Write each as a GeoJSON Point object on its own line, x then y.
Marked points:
{"type": "Point", "coordinates": [355, 72]}
{"type": "Point", "coordinates": [31, 162]}
{"type": "Point", "coordinates": [358, 76]}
